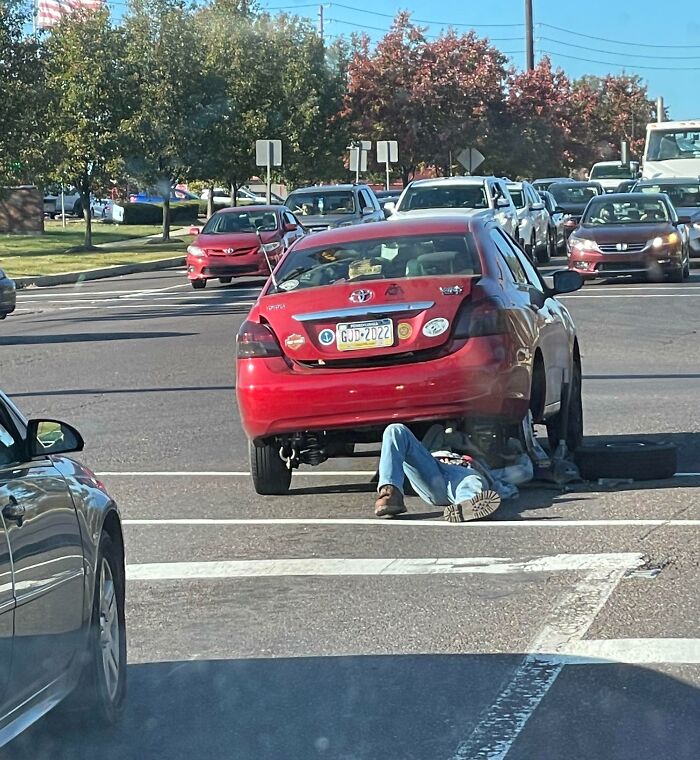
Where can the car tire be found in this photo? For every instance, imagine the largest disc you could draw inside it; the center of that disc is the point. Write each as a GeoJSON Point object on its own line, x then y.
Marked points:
{"type": "Point", "coordinates": [271, 476]}
{"type": "Point", "coordinates": [198, 284]}
{"type": "Point", "coordinates": [686, 270]}
{"type": "Point", "coordinates": [677, 275]}
{"type": "Point", "coordinates": [225, 280]}
{"type": "Point", "coordinates": [574, 433]}
{"type": "Point", "coordinates": [627, 459]}
{"type": "Point", "coordinates": [78, 209]}
{"type": "Point", "coordinates": [544, 254]}
{"type": "Point", "coordinates": [100, 695]}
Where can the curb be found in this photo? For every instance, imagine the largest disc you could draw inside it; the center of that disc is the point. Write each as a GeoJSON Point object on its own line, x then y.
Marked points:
{"type": "Point", "coordinates": [118, 270]}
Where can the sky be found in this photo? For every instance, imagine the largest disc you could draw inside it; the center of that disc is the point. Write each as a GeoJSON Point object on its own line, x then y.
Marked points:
{"type": "Point", "coordinates": [659, 42]}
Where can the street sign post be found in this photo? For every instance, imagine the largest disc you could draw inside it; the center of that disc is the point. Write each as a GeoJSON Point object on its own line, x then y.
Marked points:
{"type": "Point", "coordinates": [268, 153]}
{"type": "Point", "coordinates": [358, 156]}
{"type": "Point", "coordinates": [471, 159]}
{"type": "Point", "coordinates": [387, 153]}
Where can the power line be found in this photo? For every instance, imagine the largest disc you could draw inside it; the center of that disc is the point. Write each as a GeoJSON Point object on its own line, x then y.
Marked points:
{"type": "Point", "coordinates": [433, 36]}
{"type": "Point", "coordinates": [619, 42]}
{"type": "Point", "coordinates": [632, 66]}
{"type": "Point", "coordinates": [624, 52]}
{"type": "Point", "coordinates": [421, 20]}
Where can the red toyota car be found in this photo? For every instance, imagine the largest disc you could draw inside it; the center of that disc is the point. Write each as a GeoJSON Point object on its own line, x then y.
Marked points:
{"type": "Point", "coordinates": [232, 241]}
{"type": "Point", "coordinates": [417, 321]}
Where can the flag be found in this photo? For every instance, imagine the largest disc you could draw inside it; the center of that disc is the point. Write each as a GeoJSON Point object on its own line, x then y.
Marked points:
{"type": "Point", "coordinates": [50, 12]}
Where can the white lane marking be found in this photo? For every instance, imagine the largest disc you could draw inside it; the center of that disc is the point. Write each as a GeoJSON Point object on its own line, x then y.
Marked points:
{"type": "Point", "coordinates": [114, 305]}
{"type": "Point", "coordinates": [407, 522]}
{"type": "Point", "coordinates": [227, 474]}
{"type": "Point", "coordinates": [645, 295]}
{"type": "Point", "coordinates": [31, 294]}
{"type": "Point", "coordinates": [566, 625]}
{"type": "Point", "coordinates": [630, 651]}
{"type": "Point", "coordinates": [269, 568]}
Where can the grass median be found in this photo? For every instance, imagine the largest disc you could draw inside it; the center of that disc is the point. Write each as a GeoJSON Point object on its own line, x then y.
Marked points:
{"type": "Point", "coordinates": [37, 255]}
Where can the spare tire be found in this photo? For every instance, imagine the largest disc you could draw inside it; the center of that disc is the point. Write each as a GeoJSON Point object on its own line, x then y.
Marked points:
{"type": "Point", "coordinates": [627, 459]}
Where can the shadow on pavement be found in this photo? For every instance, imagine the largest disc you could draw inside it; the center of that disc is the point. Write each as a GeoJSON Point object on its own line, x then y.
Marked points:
{"type": "Point", "coordinates": [37, 340]}
{"type": "Point", "coordinates": [394, 707]}
{"type": "Point", "coordinates": [112, 391]}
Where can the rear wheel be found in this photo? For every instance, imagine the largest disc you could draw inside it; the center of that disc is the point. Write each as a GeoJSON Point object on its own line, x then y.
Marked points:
{"type": "Point", "coordinates": [545, 254]}
{"type": "Point", "coordinates": [271, 476]}
{"type": "Point", "coordinates": [198, 284]}
{"type": "Point", "coordinates": [225, 280]}
{"type": "Point", "coordinates": [574, 431]}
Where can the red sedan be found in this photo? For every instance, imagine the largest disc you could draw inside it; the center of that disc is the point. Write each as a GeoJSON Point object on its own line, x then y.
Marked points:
{"type": "Point", "coordinates": [234, 242]}
{"type": "Point", "coordinates": [417, 321]}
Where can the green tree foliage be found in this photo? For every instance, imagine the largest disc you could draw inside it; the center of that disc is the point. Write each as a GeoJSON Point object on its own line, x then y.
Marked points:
{"type": "Point", "coordinates": [89, 95]}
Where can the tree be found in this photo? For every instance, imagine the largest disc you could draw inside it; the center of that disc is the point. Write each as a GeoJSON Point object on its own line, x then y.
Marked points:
{"type": "Point", "coordinates": [88, 88]}
{"type": "Point", "coordinates": [179, 99]}
{"type": "Point", "coordinates": [433, 97]}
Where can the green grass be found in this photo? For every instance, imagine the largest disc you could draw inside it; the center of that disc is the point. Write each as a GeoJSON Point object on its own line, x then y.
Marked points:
{"type": "Point", "coordinates": [33, 255]}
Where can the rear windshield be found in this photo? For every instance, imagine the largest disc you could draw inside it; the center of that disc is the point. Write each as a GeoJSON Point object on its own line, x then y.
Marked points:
{"type": "Point", "coordinates": [602, 212]}
{"type": "Point", "coordinates": [453, 196]}
{"type": "Point", "coordinates": [611, 172]}
{"type": "Point", "coordinates": [322, 204]}
{"type": "Point", "coordinates": [576, 194]}
{"type": "Point", "coordinates": [681, 195]}
{"type": "Point", "coordinates": [243, 221]}
{"type": "Point", "coordinates": [384, 258]}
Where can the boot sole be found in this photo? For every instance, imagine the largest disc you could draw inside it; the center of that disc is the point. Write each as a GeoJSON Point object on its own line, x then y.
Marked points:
{"type": "Point", "coordinates": [390, 511]}
{"type": "Point", "coordinates": [480, 506]}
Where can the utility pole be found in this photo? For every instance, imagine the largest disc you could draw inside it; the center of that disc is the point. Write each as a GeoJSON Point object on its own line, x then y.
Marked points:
{"type": "Point", "coordinates": [529, 37]}
{"type": "Point", "coordinates": [320, 21]}
{"type": "Point", "coordinates": [660, 111]}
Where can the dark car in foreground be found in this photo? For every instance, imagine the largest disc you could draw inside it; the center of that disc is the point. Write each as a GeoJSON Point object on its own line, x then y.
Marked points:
{"type": "Point", "coordinates": [630, 234]}
{"type": "Point", "coordinates": [572, 199]}
{"type": "Point", "coordinates": [8, 295]}
{"type": "Point", "coordinates": [61, 579]}
{"type": "Point", "coordinates": [239, 242]}
{"type": "Point", "coordinates": [324, 207]}
{"type": "Point", "coordinates": [421, 320]}
{"type": "Point", "coordinates": [684, 194]}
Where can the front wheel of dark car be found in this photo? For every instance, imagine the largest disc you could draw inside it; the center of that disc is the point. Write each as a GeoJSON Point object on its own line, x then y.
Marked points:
{"type": "Point", "coordinates": [271, 476]}
{"type": "Point", "coordinates": [677, 275]}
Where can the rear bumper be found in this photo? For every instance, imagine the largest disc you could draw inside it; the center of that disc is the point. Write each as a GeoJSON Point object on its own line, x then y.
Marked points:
{"type": "Point", "coordinates": [592, 264]}
{"type": "Point", "coordinates": [481, 379]}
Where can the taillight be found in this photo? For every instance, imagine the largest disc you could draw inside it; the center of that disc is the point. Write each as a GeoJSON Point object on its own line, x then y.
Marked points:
{"type": "Point", "coordinates": [256, 340]}
{"type": "Point", "coordinates": [485, 317]}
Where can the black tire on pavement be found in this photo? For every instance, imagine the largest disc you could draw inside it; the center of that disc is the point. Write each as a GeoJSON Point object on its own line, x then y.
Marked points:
{"type": "Point", "coordinates": [198, 284]}
{"type": "Point", "coordinates": [95, 701]}
{"type": "Point", "coordinates": [627, 459]}
{"type": "Point", "coordinates": [574, 433]}
{"type": "Point", "coordinates": [225, 280]}
{"type": "Point", "coordinates": [676, 275]}
{"type": "Point", "coordinates": [271, 476]}
{"type": "Point", "coordinates": [686, 270]}
{"type": "Point", "coordinates": [544, 255]}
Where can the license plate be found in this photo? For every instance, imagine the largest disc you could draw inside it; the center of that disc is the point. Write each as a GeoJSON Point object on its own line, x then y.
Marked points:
{"type": "Point", "coordinates": [354, 336]}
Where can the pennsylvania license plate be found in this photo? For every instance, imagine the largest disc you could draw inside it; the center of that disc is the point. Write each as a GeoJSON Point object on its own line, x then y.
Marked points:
{"type": "Point", "coordinates": [354, 336]}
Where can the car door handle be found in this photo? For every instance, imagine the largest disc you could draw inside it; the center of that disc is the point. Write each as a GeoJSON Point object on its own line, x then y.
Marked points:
{"type": "Point", "coordinates": [13, 510]}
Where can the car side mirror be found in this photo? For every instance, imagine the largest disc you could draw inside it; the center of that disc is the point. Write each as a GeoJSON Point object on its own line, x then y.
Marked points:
{"type": "Point", "coordinates": [367, 211]}
{"type": "Point", "coordinates": [289, 227]}
{"type": "Point", "coordinates": [46, 437]}
{"type": "Point", "coordinates": [389, 207]}
{"type": "Point", "coordinates": [566, 281]}
{"type": "Point", "coordinates": [502, 203]}
{"type": "Point", "coordinates": [684, 220]}
{"type": "Point", "coordinates": [195, 230]}
{"type": "Point", "coordinates": [537, 207]}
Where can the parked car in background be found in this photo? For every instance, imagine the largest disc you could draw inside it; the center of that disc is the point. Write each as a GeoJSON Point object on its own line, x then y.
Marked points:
{"type": "Point", "coordinates": [322, 207]}
{"type": "Point", "coordinates": [626, 186]}
{"type": "Point", "coordinates": [609, 174]}
{"type": "Point", "coordinates": [244, 197]}
{"type": "Point", "coordinates": [387, 197]}
{"type": "Point", "coordinates": [423, 320]}
{"type": "Point", "coordinates": [534, 224]}
{"type": "Point", "coordinates": [572, 199]}
{"type": "Point", "coordinates": [557, 221]}
{"type": "Point", "coordinates": [228, 245]}
{"type": "Point", "coordinates": [62, 580]}
{"type": "Point", "coordinates": [684, 194]}
{"type": "Point", "coordinates": [153, 195]}
{"type": "Point", "coordinates": [628, 234]}
{"type": "Point", "coordinates": [72, 204]}
{"type": "Point", "coordinates": [546, 182]}
{"type": "Point", "coordinates": [8, 295]}
{"type": "Point", "coordinates": [487, 197]}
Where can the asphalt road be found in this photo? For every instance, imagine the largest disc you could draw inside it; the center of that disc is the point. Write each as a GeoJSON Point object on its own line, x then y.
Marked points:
{"type": "Point", "coordinates": [566, 627]}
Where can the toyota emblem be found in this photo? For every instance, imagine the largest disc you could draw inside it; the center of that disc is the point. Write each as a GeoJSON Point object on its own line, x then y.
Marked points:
{"type": "Point", "coordinates": [361, 296]}
{"type": "Point", "coordinates": [229, 251]}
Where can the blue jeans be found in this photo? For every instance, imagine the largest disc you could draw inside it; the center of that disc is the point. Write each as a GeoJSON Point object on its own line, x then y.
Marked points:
{"type": "Point", "coordinates": [437, 483]}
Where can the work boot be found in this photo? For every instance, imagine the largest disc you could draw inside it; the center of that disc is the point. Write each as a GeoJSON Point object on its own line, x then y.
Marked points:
{"type": "Point", "coordinates": [479, 506]}
{"type": "Point", "coordinates": [390, 502]}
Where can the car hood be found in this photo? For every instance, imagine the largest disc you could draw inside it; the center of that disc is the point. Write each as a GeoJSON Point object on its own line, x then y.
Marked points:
{"type": "Point", "coordinates": [628, 233]}
{"type": "Point", "coordinates": [326, 220]}
{"type": "Point", "coordinates": [305, 321]}
{"type": "Point", "coordinates": [221, 241]}
{"type": "Point", "coordinates": [433, 212]}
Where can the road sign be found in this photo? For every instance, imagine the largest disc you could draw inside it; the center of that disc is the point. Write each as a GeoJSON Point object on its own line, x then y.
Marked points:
{"type": "Point", "coordinates": [471, 159]}
{"type": "Point", "coordinates": [387, 151]}
{"type": "Point", "coordinates": [358, 156]}
{"type": "Point", "coordinates": [268, 153]}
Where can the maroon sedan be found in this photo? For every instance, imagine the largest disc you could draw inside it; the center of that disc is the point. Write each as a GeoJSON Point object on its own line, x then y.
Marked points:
{"type": "Point", "coordinates": [237, 242]}
{"type": "Point", "coordinates": [628, 234]}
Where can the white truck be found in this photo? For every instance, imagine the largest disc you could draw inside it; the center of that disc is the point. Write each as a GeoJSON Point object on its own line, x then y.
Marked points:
{"type": "Point", "coordinates": [611, 173]}
{"type": "Point", "coordinates": [672, 149]}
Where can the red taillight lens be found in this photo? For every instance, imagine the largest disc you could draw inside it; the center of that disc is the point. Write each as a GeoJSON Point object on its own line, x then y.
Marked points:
{"type": "Point", "coordinates": [485, 317]}
{"type": "Point", "coordinates": [256, 340]}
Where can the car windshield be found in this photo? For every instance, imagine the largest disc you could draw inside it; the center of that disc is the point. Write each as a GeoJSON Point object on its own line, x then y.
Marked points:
{"type": "Point", "coordinates": [240, 221]}
{"type": "Point", "coordinates": [573, 194]}
{"type": "Point", "coordinates": [446, 196]}
{"type": "Point", "coordinates": [518, 197]}
{"type": "Point", "coordinates": [322, 203]}
{"type": "Point", "coordinates": [664, 146]}
{"type": "Point", "coordinates": [611, 172]}
{"type": "Point", "coordinates": [682, 196]}
{"type": "Point", "coordinates": [604, 212]}
{"type": "Point", "coordinates": [382, 258]}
